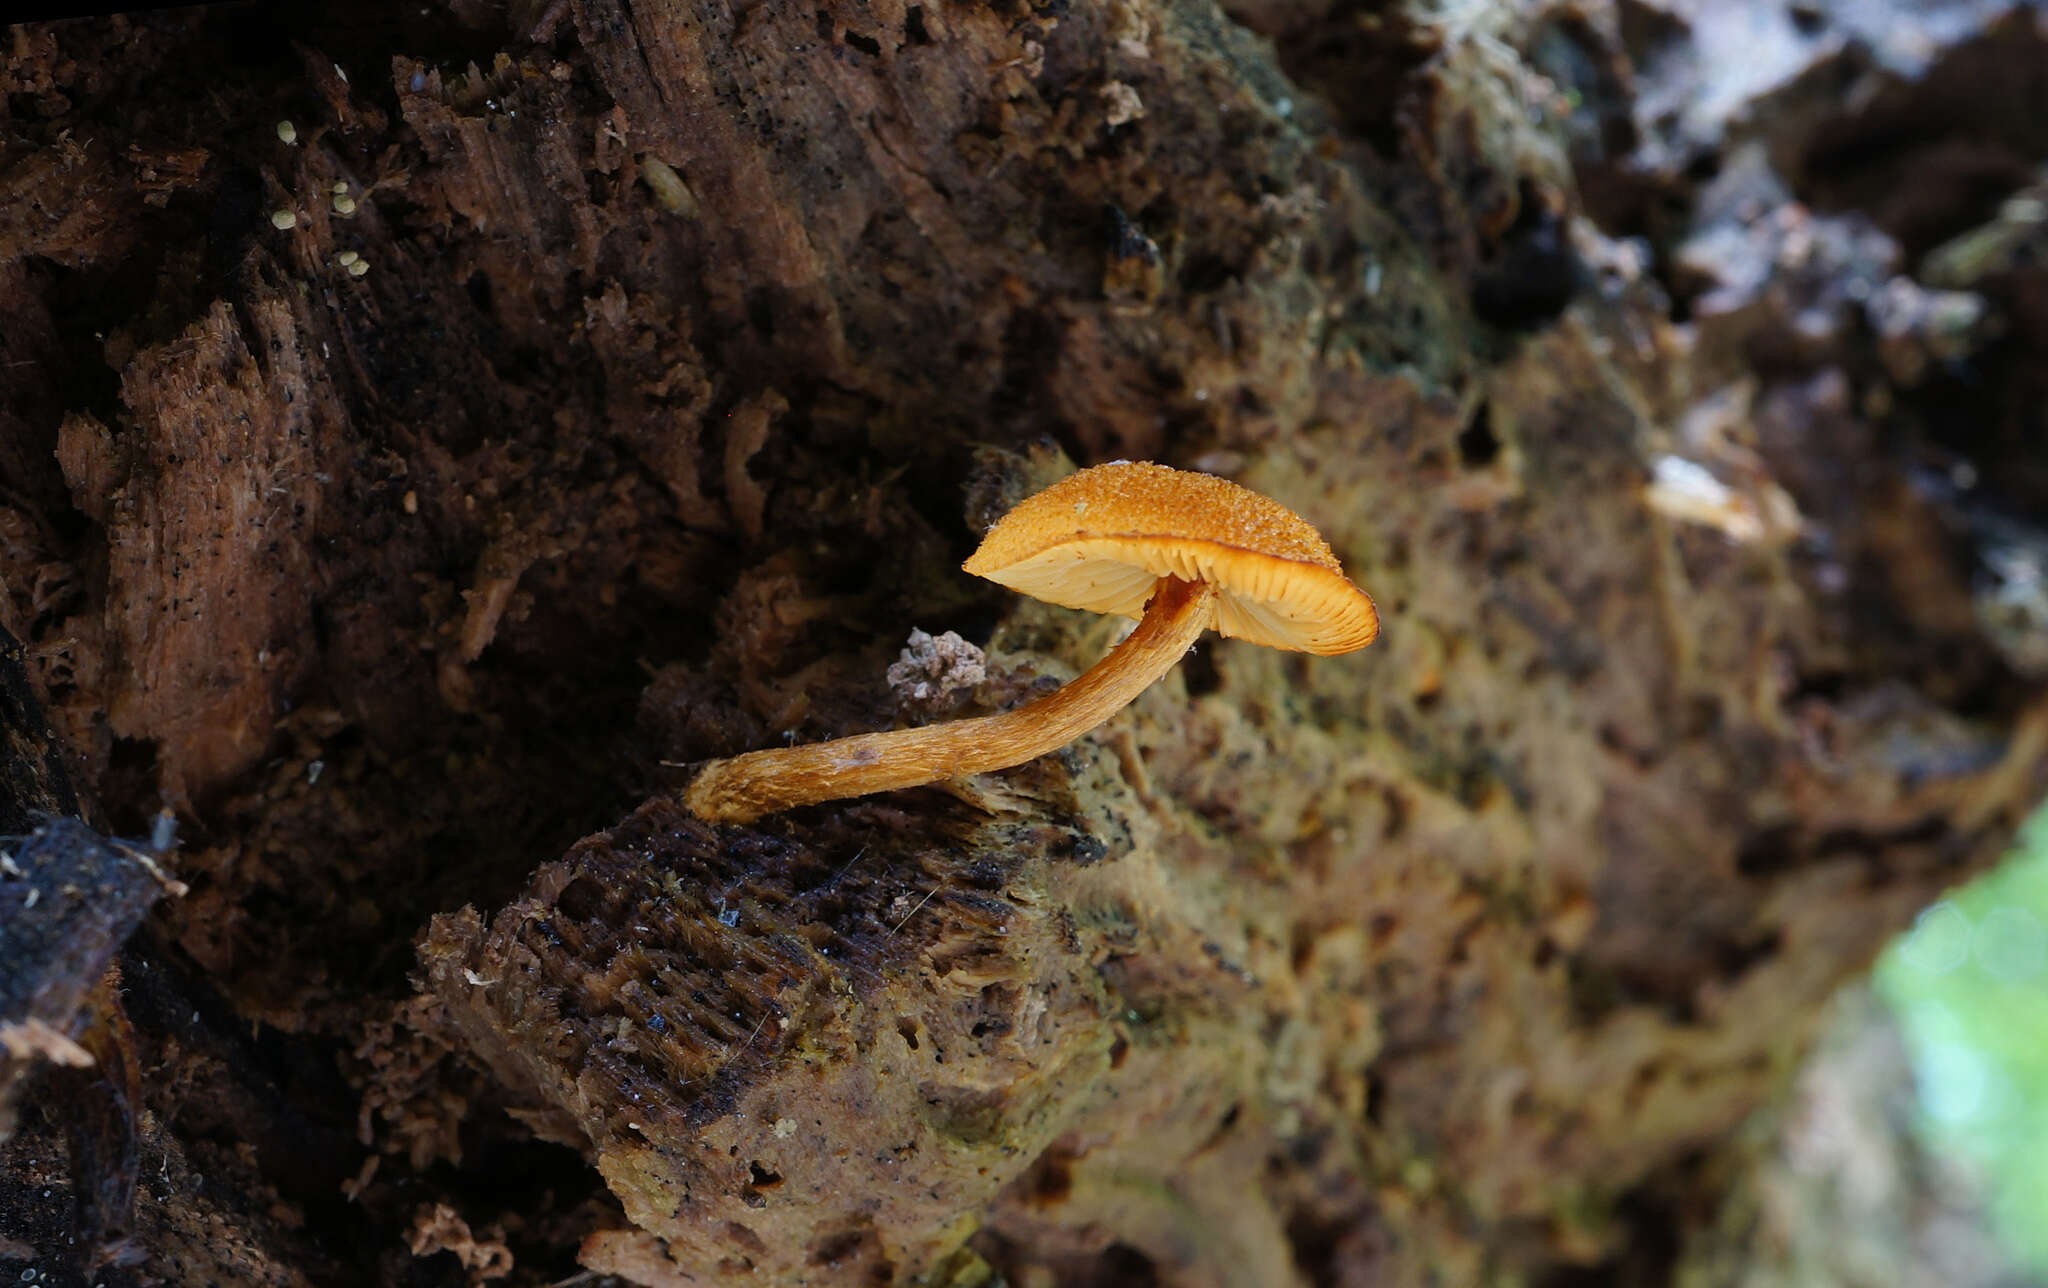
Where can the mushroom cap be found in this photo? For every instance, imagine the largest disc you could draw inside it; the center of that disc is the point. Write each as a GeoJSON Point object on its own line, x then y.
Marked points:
{"type": "Point", "coordinates": [1102, 538]}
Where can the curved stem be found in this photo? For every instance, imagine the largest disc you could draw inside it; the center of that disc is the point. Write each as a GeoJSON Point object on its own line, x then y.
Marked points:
{"type": "Point", "coordinates": [743, 788]}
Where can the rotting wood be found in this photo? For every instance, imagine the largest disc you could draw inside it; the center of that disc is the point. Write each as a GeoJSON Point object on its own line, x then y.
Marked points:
{"type": "Point", "coordinates": [628, 410]}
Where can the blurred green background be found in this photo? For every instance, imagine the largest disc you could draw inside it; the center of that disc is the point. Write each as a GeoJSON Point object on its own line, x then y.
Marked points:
{"type": "Point", "coordinates": [1969, 987]}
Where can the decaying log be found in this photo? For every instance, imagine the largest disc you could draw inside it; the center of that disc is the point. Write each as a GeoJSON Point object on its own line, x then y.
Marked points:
{"type": "Point", "coordinates": [425, 435]}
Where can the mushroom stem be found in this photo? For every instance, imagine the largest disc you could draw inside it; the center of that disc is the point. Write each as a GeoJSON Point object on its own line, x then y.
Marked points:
{"type": "Point", "coordinates": [743, 788]}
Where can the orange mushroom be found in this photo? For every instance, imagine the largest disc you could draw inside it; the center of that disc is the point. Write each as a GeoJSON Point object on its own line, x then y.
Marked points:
{"type": "Point", "coordinates": [1180, 552]}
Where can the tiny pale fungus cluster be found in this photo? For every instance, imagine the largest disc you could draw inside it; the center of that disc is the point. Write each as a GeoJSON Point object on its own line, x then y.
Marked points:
{"type": "Point", "coordinates": [1181, 552]}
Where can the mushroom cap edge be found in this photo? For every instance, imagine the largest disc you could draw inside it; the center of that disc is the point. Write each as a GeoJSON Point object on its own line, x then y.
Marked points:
{"type": "Point", "coordinates": [1101, 538]}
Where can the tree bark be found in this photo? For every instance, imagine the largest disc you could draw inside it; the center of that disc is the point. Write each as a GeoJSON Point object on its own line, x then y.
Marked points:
{"type": "Point", "coordinates": [425, 435]}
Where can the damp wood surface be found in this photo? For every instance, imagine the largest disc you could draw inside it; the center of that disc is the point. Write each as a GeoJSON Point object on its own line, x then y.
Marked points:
{"type": "Point", "coordinates": [426, 434]}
